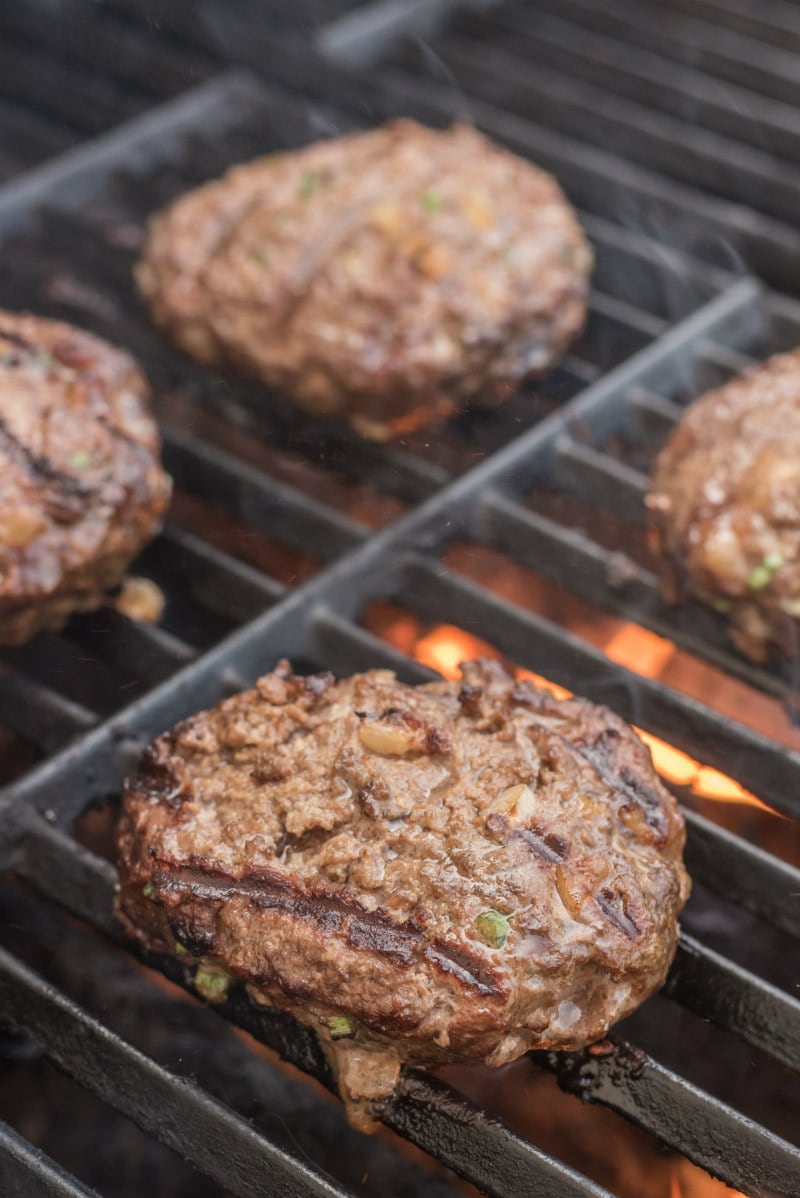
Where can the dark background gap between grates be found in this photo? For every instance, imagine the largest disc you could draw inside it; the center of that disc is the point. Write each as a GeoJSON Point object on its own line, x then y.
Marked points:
{"type": "Point", "coordinates": [318, 625]}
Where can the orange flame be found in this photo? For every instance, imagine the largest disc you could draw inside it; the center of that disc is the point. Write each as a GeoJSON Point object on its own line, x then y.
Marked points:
{"type": "Point", "coordinates": [446, 646]}
{"type": "Point", "coordinates": [687, 1181]}
{"type": "Point", "coordinates": [648, 654]}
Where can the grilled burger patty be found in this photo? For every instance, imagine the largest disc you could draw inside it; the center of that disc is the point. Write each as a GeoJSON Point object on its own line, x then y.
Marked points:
{"type": "Point", "coordinates": [386, 278]}
{"type": "Point", "coordinates": [81, 487]}
{"type": "Point", "coordinates": [423, 874]}
{"type": "Point", "coordinates": [724, 506]}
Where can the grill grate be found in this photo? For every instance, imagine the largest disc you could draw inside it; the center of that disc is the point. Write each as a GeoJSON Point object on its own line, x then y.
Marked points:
{"type": "Point", "coordinates": [607, 97]}
{"type": "Point", "coordinates": [631, 369]}
{"type": "Point", "coordinates": [72, 70]}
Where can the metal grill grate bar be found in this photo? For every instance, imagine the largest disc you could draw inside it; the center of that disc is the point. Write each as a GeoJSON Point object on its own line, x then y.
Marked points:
{"type": "Point", "coordinates": [49, 88]}
{"type": "Point", "coordinates": [719, 54]}
{"type": "Point", "coordinates": [83, 173]}
{"type": "Point", "coordinates": [719, 990]}
{"type": "Point", "coordinates": [656, 414]}
{"type": "Point", "coordinates": [639, 134]}
{"type": "Point", "coordinates": [26, 136]}
{"type": "Point", "coordinates": [347, 648]}
{"type": "Point", "coordinates": [39, 713]}
{"type": "Point", "coordinates": [212, 577]}
{"type": "Point", "coordinates": [596, 180]}
{"type": "Point", "coordinates": [492, 1157]}
{"type": "Point", "coordinates": [27, 1172]}
{"type": "Point", "coordinates": [177, 1113]}
{"type": "Point", "coordinates": [713, 1135]}
{"type": "Point", "coordinates": [257, 500]}
{"type": "Point", "coordinates": [775, 23]}
{"type": "Point", "coordinates": [598, 479]}
{"type": "Point", "coordinates": [646, 77]}
{"type": "Point", "coordinates": [149, 652]}
{"type": "Point", "coordinates": [357, 37]}
{"type": "Point", "coordinates": [737, 870]}
{"type": "Point", "coordinates": [113, 48]}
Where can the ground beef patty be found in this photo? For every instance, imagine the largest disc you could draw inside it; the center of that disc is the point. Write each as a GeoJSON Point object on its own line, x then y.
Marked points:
{"type": "Point", "coordinates": [385, 278]}
{"type": "Point", "coordinates": [81, 487]}
{"type": "Point", "coordinates": [426, 874]}
{"type": "Point", "coordinates": [724, 506]}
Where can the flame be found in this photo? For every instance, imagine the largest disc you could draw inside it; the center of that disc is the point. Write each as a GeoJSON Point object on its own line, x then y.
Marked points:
{"type": "Point", "coordinates": [645, 653]}
{"type": "Point", "coordinates": [639, 650]}
{"type": "Point", "coordinates": [446, 646]}
{"type": "Point", "coordinates": [687, 1181]}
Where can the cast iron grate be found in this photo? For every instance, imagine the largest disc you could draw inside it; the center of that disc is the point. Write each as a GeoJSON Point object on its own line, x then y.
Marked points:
{"type": "Point", "coordinates": [696, 106]}
{"type": "Point", "coordinates": [632, 364]}
{"type": "Point", "coordinates": [70, 70]}
{"type": "Point", "coordinates": [660, 104]}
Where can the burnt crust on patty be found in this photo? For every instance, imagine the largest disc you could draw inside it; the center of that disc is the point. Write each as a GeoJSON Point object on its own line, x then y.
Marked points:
{"type": "Point", "coordinates": [387, 279]}
{"type": "Point", "coordinates": [81, 485]}
{"type": "Point", "coordinates": [422, 874]}
{"type": "Point", "coordinates": [724, 506]}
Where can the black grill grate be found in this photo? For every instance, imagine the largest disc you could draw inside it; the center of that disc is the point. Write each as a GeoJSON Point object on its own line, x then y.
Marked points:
{"type": "Point", "coordinates": [73, 69]}
{"type": "Point", "coordinates": [651, 106]}
{"type": "Point", "coordinates": [660, 322]}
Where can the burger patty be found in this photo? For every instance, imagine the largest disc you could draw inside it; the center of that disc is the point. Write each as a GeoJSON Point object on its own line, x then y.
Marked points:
{"type": "Point", "coordinates": [386, 279]}
{"type": "Point", "coordinates": [81, 486]}
{"type": "Point", "coordinates": [724, 506]}
{"type": "Point", "coordinates": [422, 874]}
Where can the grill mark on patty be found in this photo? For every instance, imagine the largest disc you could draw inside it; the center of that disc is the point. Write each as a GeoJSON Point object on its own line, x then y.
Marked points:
{"type": "Point", "coordinates": [462, 965]}
{"type": "Point", "coordinates": [64, 495]}
{"type": "Point", "coordinates": [21, 342]}
{"type": "Point", "coordinates": [614, 907]}
{"type": "Point", "coordinates": [119, 434]}
{"type": "Point", "coordinates": [318, 256]}
{"type": "Point", "coordinates": [40, 467]}
{"type": "Point", "coordinates": [601, 754]}
{"type": "Point", "coordinates": [331, 914]}
{"type": "Point", "coordinates": [378, 938]}
{"type": "Point", "coordinates": [548, 847]}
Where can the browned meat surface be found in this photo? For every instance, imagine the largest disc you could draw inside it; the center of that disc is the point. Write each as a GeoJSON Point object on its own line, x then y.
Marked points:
{"type": "Point", "coordinates": [81, 487]}
{"type": "Point", "coordinates": [724, 506]}
{"type": "Point", "coordinates": [386, 279]}
{"type": "Point", "coordinates": [424, 874]}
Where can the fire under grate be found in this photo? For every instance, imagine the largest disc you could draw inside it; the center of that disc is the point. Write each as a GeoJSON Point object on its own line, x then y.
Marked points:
{"type": "Point", "coordinates": [73, 228]}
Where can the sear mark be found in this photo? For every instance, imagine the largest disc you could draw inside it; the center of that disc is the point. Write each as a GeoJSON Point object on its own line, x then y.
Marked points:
{"type": "Point", "coordinates": [613, 904]}
{"type": "Point", "coordinates": [333, 914]}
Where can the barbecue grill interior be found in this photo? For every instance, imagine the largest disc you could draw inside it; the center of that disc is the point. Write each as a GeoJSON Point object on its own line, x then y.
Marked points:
{"type": "Point", "coordinates": [672, 128]}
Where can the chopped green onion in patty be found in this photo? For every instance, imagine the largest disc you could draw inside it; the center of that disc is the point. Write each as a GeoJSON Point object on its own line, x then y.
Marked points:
{"type": "Point", "coordinates": [431, 200]}
{"type": "Point", "coordinates": [341, 1027]}
{"type": "Point", "coordinates": [494, 927]}
{"type": "Point", "coordinates": [212, 983]}
{"type": "Point", "coordinates": [763, 573]}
